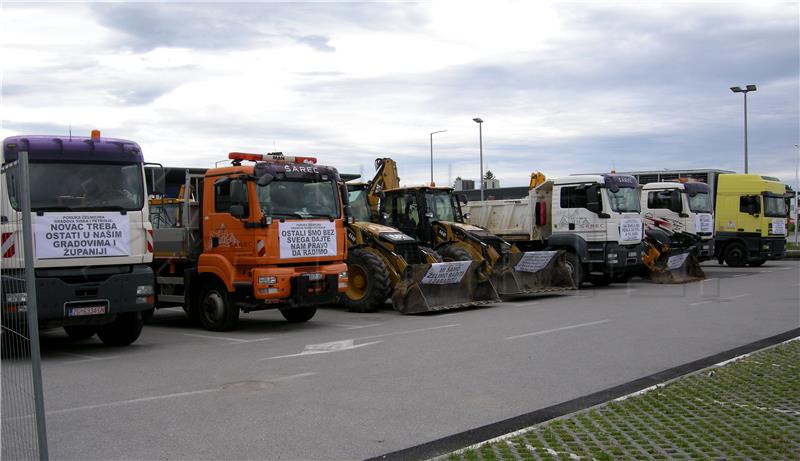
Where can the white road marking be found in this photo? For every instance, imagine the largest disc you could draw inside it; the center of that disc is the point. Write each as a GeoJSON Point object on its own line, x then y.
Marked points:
{"type": "Point", "coordinates": [91, 359]}
{"type": "Point", "coordinates": [701, 302]}
{"type": "Point", "coordinates": [221, 338]}
{"type": "Point", "coordinates": [740, 275]}
{"type": "Point", "coordinates": [708, 280]}
{"type": "Point", "coordinates": [729, 298]}
{"type": "Point", "coordinates": [325, 348]}
{"type": "Point", "coordinates": [245, 341]}
{"type": "Point", "coordinates": [356, 327]}
{"type": "Point", "coordinates": [408, 331]}
{"type": "Point", "coordinates": [552, 330]}
{"type": "Point", "coordinates": [163, 397]}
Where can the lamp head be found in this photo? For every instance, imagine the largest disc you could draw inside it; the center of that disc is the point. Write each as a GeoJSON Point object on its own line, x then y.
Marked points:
{"type": "Point", "coordinates": [477, 120]}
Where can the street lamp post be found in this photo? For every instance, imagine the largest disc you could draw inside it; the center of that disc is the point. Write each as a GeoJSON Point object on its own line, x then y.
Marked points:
{"type": "Point", "coordinates": [479, 121]}
{"type": "Point", "coordinates": [796, 189]}
{"type": "Point", "coordinates": [433, 133]}
{"type": "Point", "coordinates": [747, 89]}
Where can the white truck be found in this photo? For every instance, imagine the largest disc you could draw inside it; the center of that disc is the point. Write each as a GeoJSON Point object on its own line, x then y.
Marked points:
{"type": "Point", "coordinates": [91, 230]}
{"type": "Point", "coordinates": [681, 206]}
{"type": "Point", "coordinates": [594, 218]}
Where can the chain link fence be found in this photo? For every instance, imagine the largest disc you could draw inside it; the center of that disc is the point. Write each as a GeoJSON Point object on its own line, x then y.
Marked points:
{"type": "Point", "coordinates": [22, 419]}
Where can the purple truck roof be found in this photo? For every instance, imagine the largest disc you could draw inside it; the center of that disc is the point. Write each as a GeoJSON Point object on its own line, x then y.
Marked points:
{"type": "Point", "coordinates": [72, 149]}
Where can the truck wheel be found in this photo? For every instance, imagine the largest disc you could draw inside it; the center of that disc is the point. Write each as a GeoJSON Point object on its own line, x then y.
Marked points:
{"type": "Point", "coordinates": [757, 263]}
{"type": "Point", "coordinates": [80, 331]}
{"type": "Point", "coordinates": [216, 311]}
{"type": "Point", "coordinates": [368, 282]}
{"type": "Point", "coordinates": [124, 330]}
{"type": "Point", "coordinates": [601, 280]}
{"type": "Point", "coordinates": [735, 255]}
{"type": "Point", "coordinates": [575, 268]}
{"type": "Point", "coordinates": [454, 253]}
{"type": "Point", "coordinates": [299, 314]}
{"type": "Point", "coordinates": [147, 316]}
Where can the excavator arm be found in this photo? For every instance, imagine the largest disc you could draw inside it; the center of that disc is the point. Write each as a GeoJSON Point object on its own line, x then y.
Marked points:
{"type": "Point", "coordinates": [386, 177]}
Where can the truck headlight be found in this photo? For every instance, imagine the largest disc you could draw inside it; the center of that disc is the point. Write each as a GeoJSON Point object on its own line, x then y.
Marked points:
{"type": "Point", "coordinates": [144, 290]}
{"type": "Point", "coordinates": [613, 257]}
{"type": "Point", "coordinates": [267, 280]}
{"type": "Point", "coordinates": [16, 298]}
{"type": "Point", "coordinates": [343, 275]}
{"type": "Point", "coordinates": [766, 246]}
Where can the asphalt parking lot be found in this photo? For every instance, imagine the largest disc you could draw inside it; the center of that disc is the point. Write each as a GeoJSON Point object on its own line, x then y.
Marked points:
{"type": "Point", "coordinates": [352, 386]}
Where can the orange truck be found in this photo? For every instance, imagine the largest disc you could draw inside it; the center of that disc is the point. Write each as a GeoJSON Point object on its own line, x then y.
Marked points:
{"type": "Point", "coordinates": [265, 234]}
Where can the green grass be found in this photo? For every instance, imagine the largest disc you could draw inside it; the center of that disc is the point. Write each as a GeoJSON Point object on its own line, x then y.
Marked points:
{"type": "Point", "coordinates": [748, 409]}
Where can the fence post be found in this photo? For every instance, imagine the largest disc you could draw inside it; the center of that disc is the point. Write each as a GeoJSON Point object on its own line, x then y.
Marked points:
{"type": "Point", "coordinates": [33, 313]}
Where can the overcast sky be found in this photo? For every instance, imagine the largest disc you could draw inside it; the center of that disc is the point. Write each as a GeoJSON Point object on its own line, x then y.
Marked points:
{"type": "Point", "coordinates": [562, 88]}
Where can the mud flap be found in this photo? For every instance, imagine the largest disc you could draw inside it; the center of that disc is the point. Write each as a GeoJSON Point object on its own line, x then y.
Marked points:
{"type": "Point", "coordinates": [532, 272]}
{"type": "Point", "coordinates": [442, 286]}
{"type": "Point", "coordinates": [679, 266]}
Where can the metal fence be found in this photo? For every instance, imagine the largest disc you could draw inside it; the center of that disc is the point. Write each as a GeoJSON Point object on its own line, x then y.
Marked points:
{"type": "Point", "coordinates": [22, 418]}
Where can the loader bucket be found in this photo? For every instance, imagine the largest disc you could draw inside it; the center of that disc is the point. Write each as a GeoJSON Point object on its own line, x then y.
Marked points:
{"type": "Point", "coordinates": [442, 286]}
{"type": "Point", "coordinates": [532, 272]}
{"type": "Point", "coordinates": [678, 266]}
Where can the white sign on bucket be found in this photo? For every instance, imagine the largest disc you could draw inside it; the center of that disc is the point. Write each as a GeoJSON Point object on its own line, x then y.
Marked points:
{"type": "Point", "coordinates": [630, 230]}
{"type": "Point", "coordinates": [446, 273]}
{"type": "Point", "coordinates": [534, 261]}
{"type": "Point", "coordinates": [307, 239]}
{"type": "Point", "coordinates": [81, 235]}
{"type": "Point", "coordinates": [676, 261]}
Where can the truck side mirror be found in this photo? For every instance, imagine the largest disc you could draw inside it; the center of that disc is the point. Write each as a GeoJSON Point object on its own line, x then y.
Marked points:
{"type": "Point", "coordinates": [237, 192]}
{"type": "Point", "coordinates": [348, 214]}
{"type": "Point", "coordinates": [265, 180]}
{"type": "Point", "coordinates": [593, 202]}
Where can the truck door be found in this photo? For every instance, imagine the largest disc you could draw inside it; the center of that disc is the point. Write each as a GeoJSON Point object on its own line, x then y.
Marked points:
{"type": "Point", "coordinates": [748, 218]}
{"type": "Point", "coordinates": [574, 215]}
{"type": "Point", "coordinates": [664, 209]}
{"type": "Point", "coordinates": [226, 234]}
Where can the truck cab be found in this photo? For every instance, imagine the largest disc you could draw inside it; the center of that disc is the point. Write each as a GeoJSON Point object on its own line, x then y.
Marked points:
{"type": "Point", "coordinates": [681, 206]}
{"type": "Point", "coordinates": [597, 219]}
{"type": "Point", "coordinates": [750, 219]}
{"type": "Point", "coordinates": [91, 231]}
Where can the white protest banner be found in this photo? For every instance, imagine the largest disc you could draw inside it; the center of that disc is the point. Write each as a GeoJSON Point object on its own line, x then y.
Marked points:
{"type": "Point", "coordinates": [81, 235]}
{"type": "Point", "coordinates": [534, 261]}
{"type": "Point", "coordinates": [704, 223]}
{"type": "Point", "coordinates": [446, 273]}
{"type": "Point", "coordinates": [307, 239]}
{"type": "Point", "coordinates": [630, 230]}
{"type": "Point", "coordinates": [676, 261]}
{"type": "Point", "coordinates": [778, 226]}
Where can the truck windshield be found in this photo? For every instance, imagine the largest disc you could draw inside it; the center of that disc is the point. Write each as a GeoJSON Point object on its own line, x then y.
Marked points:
{"type": "Point", "coordinates": [71, 186]}
{"type": "Point", "coordinates": [440, 203]}
{"type": "Point", "coordinates": [624, 200]}
{"type": "Point", "coordinates": [699, 203]}
{"type": "Point", "coordinates": [359, 205]}
{"type": "Point", "coordinates": [299, 199]}
{"type": "Point", "coordinates": [775, 206]}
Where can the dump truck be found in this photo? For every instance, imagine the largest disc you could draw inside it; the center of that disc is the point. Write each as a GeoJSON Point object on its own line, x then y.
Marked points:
{"type": "Point", "coordinates": [384, 262]}
{"type": "Point", "coordinates": [594, 219]}
{"type": "Point", "coordinates": [268, 234]}
{"type": "Point", "coordinates": [433, 215]}
{"type": "Point", "coordinates": [92, 238]}
{"type": "Point", "coordinates": [750, 213]}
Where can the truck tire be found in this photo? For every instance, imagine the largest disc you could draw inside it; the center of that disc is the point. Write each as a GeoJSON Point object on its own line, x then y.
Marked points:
{"type": "Point", "coordinates": [454, 253]}
{"type": "Point", "coordinates": [601, 280]}
{"type": "Point", "coordinates": [299, 314]}
{"type": "Point", "coordinates": [216, 311]}
{"type": "Point", "coordinates": [757, 263]}
{"type": "Point", "coordinates": [574, 267]}
{"type": "Point", "coordinates": [78, 332]}
{"type": "Point", "coordinates": [124, 330]}
{"type": "Point", "coordinates": [735, 255]}
{"type": "Point", "coordinates": [368, 282]}
{"type": "Point", "coordinates": [147, 316]}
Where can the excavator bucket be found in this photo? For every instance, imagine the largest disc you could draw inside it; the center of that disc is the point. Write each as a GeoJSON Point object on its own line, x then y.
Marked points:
{"type": "Point", "coordinates": [532, 272]}
{"type": "Point", "coordinates": [442, 286]}
{"type": "Point", "coordinates": [669, 257]}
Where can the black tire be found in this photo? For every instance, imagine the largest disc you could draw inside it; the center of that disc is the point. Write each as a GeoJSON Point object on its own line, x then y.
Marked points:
{"type": "Point", "coordinates": [757, 263]}
{"type": "Point", "coordinates": [735, 255]}
{"type": "Point", "coordinates": [78, 332]}
{"type": "Point", "coordinates": [601, 280]}
{"type": "Point", "coordinates": [369, 284]}
{"type": "Point", "coordinates": [147, 316]}
{"type": "Point", "coordinates": [454, 253]}
{"type": "Point", "coordinates": [124, 330]}
{"type": "Point", "coordinates": [215, 309]}
{"type": "Point", "coordinates": [299, 314]}
{"type": "Point", "coordinates": [575, 268]}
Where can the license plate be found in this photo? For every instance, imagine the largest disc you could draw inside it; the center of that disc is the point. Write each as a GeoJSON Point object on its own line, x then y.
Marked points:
{"type": "Point", "coordinates": [93, 309]}
{"type": "Point", "coordinates": [314, 277]}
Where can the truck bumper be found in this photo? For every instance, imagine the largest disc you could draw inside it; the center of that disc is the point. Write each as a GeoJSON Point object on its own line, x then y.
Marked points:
{"type": "Point", "coordinates": [771, 249]}
{"type": "Point", "coordinates": [89, 296]}
{"type": "Point", "coordinates": [704, 250]}
{"type": "Point", "coordinates": [618, 260]}
{"type": "Point", "coordinates": [306, 285]}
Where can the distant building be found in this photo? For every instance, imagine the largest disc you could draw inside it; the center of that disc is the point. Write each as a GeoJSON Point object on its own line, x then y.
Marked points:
{"type": "Point", "coordinates": [464, 184]}
{"type": "Point", "coordinates": [493, 183]}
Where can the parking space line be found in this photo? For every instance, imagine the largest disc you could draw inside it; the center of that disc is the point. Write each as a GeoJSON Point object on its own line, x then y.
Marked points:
{"type": "Point", "coordinates": [246, 341]}
{"type": "Point", "coordinates": [221, 338]}
{"type": "Point", "coordinates": [91, 359]}
{"type": "Point", "coordinates": [735, 297]}
{"type": "Point", "coordinates": [701, 302]}
{"type": "Point", "coordinates": [553, 330]}
{"type": "Point", "coordinates": [325, 348]}
{"type": "Point", "coordinates": [162, 397]}
{"type": "Point", "coordinates": [408, 331]}
{"type": "Point", "coordinates": [356, 327]}
{"type": "Point", "coordinates": [708, 280]}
